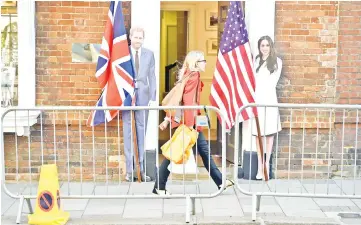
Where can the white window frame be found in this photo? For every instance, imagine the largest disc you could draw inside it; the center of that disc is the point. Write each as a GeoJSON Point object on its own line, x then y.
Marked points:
{"type": "Point", "coordinates": [26, 73]}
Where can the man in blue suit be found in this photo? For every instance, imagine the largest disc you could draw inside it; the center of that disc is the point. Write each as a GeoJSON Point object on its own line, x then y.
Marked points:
{"type": "Point", "coordinates": [145, 92]}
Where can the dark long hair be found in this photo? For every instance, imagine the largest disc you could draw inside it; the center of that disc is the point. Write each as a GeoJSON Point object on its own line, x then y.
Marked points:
{"type": "Point", "coordinates": [271, 59]}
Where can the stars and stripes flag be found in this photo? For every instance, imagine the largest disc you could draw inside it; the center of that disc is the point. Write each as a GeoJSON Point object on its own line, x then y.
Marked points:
{"type": "Point", "coordinates": [115, 72]}
{"type": "Point", "coordinates": [233, 84]}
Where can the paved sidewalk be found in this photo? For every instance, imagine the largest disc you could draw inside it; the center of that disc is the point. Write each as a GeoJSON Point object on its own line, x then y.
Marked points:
{"type": "Point", "coordinates": [229, 208]}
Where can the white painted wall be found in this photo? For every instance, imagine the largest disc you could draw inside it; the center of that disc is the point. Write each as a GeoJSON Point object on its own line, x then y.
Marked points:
{"type": "Point", "coordinates": [146, 14]}
{"type": "Point", "coordinates": [260, 21]}
{"type": "Point", "coordinates": [26, 53]}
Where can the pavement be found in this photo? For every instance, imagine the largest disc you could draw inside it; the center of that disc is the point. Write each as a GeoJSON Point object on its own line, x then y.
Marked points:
{"type": "Point", "coordinates": [231, 207]}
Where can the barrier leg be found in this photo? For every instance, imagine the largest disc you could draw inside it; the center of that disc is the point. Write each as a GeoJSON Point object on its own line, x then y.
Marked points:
{"type": "Point", "coordinates": [258, 206]}
{"type": "Point", "coordinates": [188, 209]}
{"type": "Point", "coordinates": [254, 206]}
{"type": "Point", "coordinates": [29, 205]}
{"type": "Point", "coordinates": [193, 206]}
{"type": "Point", "coordinates": [20, 210]}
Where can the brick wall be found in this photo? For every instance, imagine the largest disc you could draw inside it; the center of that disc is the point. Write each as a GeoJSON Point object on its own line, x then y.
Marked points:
{"type": "Point", "coordinates": [349, 58]}
{"type": "Point", "coordinates": [326, 153]}
{"type": "Point", "coordinates": [59, 81]}
{"type": "Point", "coordinates": [88, 157]}
{"type": "Point", "coordinates": [306, 39]}
{"type": "Point", "coordinates": [59, 24]}
{"type": "Point", "coordinates": [317, 42]}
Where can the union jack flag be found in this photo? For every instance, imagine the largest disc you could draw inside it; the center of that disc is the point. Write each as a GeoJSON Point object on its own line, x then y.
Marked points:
{"type": "Point", "coordinates": [115, 72]}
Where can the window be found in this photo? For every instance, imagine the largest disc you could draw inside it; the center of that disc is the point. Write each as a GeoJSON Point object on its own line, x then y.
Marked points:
{"type": "Point", "coordinates": [9, 55]}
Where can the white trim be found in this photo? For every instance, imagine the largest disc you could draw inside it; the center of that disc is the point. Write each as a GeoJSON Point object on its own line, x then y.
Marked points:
{"type": "Point", "coordinates": [26, 54]}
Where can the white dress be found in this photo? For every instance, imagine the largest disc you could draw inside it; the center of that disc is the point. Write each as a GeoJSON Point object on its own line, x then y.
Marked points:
{"type": "Point", "coordinates": [266, 94]}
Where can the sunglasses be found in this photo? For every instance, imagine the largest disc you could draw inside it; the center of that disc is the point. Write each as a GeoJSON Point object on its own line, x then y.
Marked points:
{"type": "Point", "coordinates": [203, 61]}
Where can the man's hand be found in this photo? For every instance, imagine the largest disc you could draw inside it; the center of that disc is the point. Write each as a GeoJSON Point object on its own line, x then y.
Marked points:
{"type": "Point", "coordinates": [152, 103]}
{"type": "Point", "coordinates": [133, 100]}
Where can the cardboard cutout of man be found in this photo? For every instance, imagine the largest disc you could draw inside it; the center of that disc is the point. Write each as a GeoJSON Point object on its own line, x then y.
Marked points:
{"type": "Point", "coordinates": [145, 93]}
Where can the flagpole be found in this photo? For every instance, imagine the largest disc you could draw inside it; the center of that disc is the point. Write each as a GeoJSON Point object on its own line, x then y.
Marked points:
{"type": "Point", "coordinates": [265, 174]}
{"type": "Point", "coordinates": [135, 147]}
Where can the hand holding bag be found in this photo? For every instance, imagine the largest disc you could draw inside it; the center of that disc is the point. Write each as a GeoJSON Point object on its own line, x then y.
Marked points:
{"type": "Point", "coordinates": [179, 147]}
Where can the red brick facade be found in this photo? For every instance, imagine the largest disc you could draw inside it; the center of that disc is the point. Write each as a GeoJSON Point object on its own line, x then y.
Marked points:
{"type": "Point", "coordinates": [59, 24]}
{"type": "Point", "coordinates": [349, 60]}
{"type": "Point", "coordinates": [306, 39]}
{"type": "Point", "coordinates": [319, 43]}
{"type": "Point", "coordinates": [61, 82]}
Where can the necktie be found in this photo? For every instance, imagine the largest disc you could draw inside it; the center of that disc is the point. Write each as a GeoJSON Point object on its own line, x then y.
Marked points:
{"type": "Point", "coordinates": [136, 62]}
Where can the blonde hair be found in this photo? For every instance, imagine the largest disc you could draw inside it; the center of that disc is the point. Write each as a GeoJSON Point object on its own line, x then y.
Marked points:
{"type": "Point", "coordinates": [191, 62]}
{"type": "Point", "coordinates": [138, 29]}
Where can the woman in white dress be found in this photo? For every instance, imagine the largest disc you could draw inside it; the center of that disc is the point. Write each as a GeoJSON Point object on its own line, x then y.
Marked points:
{"type": "Point", "coordinates": [268, 69]}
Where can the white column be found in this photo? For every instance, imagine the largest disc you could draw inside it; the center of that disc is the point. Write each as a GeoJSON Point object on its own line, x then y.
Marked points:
{"type": "Point", "coordinates": [26, 53]}
{"type": "Point", "coordinates": [260, 21]}
{"type": "Point", "coordinates": [146, 14]}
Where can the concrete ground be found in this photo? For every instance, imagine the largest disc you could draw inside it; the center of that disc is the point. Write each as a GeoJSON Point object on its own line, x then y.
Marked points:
{"type": "Point", "coordinates": [231, 207]}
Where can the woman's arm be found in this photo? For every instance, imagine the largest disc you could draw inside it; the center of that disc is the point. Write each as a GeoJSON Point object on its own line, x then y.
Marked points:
{"type": "Point", "coordinates": [188, 98]}
{"type": "Point", "coordinates": [275, 76]}
{"type": "Point", "coordinates": [189, 94]}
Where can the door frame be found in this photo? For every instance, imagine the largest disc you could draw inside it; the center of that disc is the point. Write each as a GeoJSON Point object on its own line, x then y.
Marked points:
{"type": "Point", "coordinates": [190, 8]}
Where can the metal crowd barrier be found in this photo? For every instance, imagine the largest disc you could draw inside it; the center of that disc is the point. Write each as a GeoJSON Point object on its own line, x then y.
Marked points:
{"type": "Point", "coordinates": [315, 155]}
{"type": "Point", "coordinates": [89, 159]}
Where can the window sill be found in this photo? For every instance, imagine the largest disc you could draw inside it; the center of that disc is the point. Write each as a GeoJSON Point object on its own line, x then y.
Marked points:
{"type": "Point", "coordinates": [21, 124]}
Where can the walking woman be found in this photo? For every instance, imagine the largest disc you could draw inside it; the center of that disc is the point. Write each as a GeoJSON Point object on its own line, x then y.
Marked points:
{"type": "Point", "coordinates": [194, 64]}
{"type": "Point", "coordinates": [268, 71]}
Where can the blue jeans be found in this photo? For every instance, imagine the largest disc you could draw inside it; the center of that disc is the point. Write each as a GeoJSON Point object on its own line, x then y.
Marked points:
{"type": "Point", "coordinates": [202, 147]}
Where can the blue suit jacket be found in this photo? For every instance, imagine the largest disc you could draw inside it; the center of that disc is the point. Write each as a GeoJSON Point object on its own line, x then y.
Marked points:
{"type": "Point", "coordinates": [146, 81]}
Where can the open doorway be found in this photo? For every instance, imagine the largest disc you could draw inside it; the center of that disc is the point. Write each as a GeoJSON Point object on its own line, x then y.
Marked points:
{"type": "Point", "coordinates": [174, 47]}
{"type": "Point", "coordinates": [174, 36]}
{"type": "Point", "coordinates": [196, 25]}
{"type": "Point", "coordinates": [185, 26]}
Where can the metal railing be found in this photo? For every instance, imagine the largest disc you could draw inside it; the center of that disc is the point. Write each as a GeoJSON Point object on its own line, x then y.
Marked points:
{"type": "Point", "coordinates": [90, 160]}
{"type": "Point", "coordinates": [314, 155]}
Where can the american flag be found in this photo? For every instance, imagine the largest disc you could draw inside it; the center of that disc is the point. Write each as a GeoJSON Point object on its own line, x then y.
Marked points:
{"type": "Point", "coordinates": [233, 82]}
{"type": "Point", "coordinates": [115, 72]}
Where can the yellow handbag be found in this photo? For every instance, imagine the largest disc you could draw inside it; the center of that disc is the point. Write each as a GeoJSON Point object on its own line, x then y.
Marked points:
{"type": "Point", "coordinates": [179, 147]}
